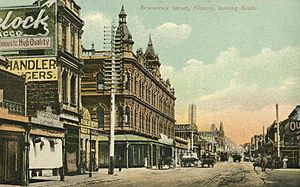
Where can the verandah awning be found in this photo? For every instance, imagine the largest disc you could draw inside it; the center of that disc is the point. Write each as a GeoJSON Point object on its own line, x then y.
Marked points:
{"type": "Point", "coordinates": [129, 138]}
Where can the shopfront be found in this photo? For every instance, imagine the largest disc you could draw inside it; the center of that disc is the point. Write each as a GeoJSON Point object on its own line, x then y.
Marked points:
{"type": "Point", "coordinates": [292, 143]}
{"type": "Point", "coordinates": [10, 157]}
{"type": "Point", "coordinates": [135, 151]}
{"type": "Point", "coordinates": [46, 144]}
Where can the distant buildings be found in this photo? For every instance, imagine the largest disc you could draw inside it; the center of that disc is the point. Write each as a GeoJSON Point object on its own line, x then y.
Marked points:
{"type": "Point", "coordinates": [213, 140]}
{"type": "Point", "coordinates": [289, 140]}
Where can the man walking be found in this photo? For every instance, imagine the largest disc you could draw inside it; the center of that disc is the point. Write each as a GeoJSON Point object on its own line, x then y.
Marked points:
{"type": "Point", "coordinates": [120, 163]}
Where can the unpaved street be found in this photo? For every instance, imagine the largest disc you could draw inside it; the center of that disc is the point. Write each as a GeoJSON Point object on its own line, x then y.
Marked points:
{"type": "Point", "coordinates": [223, 174]}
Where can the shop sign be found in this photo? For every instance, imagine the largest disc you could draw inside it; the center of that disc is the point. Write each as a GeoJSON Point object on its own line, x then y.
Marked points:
{"type": "Point", "coordinates": [8, 44]}
{"type": "Point", "coordinates": [35, 69]}
{"type": "Point", "coordinates": [47, 118]}
{"type": "Point", "coordinates": [28, 27]}
{"type": "Point", "coordinates": [294, 125]}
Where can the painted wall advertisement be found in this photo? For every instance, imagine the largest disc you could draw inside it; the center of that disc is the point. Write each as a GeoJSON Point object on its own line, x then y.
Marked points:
{"type": "Point", "coordinates": [29, 28]}
{"type": "Point", "coordinates": [35, 69]}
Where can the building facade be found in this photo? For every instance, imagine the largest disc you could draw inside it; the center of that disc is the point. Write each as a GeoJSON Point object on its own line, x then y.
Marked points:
{"type": "Point", "coordinates": [188, 132]}
{"type": "Point", "coordinates": [49, 55]}
{"type": "Point", "coordinates": [13, 127]}
{"type": "Point", "coordinates": [145, 103]}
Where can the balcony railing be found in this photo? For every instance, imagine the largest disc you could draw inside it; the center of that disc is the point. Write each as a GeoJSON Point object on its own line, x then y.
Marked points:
{"type": "Point", "coordinates": [13, 107]}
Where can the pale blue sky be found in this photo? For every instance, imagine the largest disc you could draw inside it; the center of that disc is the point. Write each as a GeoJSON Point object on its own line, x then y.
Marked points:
{"type": "Point", "coordinates": [229, 63]}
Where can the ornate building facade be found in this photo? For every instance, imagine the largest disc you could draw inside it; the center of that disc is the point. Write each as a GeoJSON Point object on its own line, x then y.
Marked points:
{"type": "Point", "coordinates": [145, 103]}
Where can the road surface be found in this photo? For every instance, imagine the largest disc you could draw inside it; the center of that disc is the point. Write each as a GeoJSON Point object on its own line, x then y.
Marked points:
{"type": "Point", "coordinates": [223, 174]}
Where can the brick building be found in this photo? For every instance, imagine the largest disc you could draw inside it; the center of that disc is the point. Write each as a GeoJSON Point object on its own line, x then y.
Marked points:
{"type": "Point", "coordinates": [145, 103]}
{"type": "Point", "coordinates": [49, 55]}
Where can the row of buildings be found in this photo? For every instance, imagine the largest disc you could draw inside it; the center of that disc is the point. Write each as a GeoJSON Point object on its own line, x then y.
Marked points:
{"type": "Point", "coordinates": [55, 99]}
{"type": "Point", "coordinates": [289, 143]}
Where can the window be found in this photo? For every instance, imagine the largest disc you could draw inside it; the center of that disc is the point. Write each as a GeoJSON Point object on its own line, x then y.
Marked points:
{"type": "Point", "coordinates": [127, 81]}
{"type": "Point", "coordinates": [100, 81]}
{"type": "Point", "coordinates": [120, 116]}
{"type": "Point", "coordinates": [72, 43]}
{"type": "Point", "coordinates": [127, 116]}
{"type": "Point", "coordinates": [64, 39]}
{"type": "Point", "coordinates": [100, 113]}
{"type": "Point", "coordinates": [65, 86]}
{"type": "Point", "coordinates": [73, 90]}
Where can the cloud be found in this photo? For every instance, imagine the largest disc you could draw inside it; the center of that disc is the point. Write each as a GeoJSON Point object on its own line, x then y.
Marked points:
{"type": "Point", "coordinates": [240, 89]}
{"type": "Point", "coordinates": [251, 82]}
{"type": "Point", "coordinates": [94, 29]}
{"type": "Point", "coordinates": [171, 32]}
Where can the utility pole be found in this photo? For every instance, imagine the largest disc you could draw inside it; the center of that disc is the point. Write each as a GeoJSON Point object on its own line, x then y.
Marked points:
{"type": "Point", "coordinates": [192, 121]}
{"type": "Point", "coordinates": [278, 133]}
{"type": "Point", "coordinates": [113, 50]}
{"type": "Point", "coordinates": [263, 142]}
{"type": "Point", "coordinates": [90, 164]}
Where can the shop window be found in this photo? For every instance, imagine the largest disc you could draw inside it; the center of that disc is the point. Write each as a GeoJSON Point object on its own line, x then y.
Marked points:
{"type": "Point", "coordinates": [73, 90]}
{"type": "Point", "coordinates": [65, 86]}
{"type": "Point", "coordinates": [100, 81]}
{"type": "Point", "coordinates": [100, 113]}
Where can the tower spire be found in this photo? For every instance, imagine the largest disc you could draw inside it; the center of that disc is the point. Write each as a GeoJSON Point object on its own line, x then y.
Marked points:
{"type": "Point", "coordinates": [150, 52]}
{"type": "Point", "coordinates": [123, 32]}
{"type": "Point", "coordinates": [122, 15]}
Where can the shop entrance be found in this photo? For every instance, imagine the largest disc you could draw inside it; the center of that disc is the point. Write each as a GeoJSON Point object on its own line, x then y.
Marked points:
{"type": "Point", "coordinates": [10, 161]}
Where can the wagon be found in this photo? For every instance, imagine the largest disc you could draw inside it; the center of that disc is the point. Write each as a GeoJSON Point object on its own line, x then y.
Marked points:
{"type": "Point", "coordinates": [189, 160]}
{"type": "Point", "coordinates": [208, 161]}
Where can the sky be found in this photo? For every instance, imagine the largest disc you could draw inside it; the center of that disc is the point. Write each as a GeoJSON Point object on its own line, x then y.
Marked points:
{"type": "Point", "coordinates": [233, 64]}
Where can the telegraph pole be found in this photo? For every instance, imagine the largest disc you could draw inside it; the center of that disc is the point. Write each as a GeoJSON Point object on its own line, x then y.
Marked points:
{"type": "Point", "coordinates": [113, 50]}
{"type": "Point", "coordinates": [90, 164]}
{"type": "Point", "coordinates": [278, 133]}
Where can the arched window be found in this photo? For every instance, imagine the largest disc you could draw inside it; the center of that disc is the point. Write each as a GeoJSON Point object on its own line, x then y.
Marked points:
{"type": "Point", "coordinates": [65, 86]}
{"type": "Point", "coordinates": [73, 89]}
{"type": "Point", "coordinates": [120, 116]}
{"type": "Point", "coordinates": [100, 114]}
{"type": "Point", "coordinates": [100, 81]}
{"type": "Point", "coordinates": [127, 116]}
{"type": "Point", "coordinates": [127, 81]}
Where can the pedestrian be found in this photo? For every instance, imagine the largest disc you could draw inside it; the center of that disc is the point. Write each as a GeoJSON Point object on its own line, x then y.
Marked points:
{"type": "Point", "coordinates": [273, 162]}
{"type": "Point", "coordinates": [264, 162]}
{"type": "Point", "coordinates": [254, 165]}
{"type": "Point", "coordinates": [285, 160]}
{"type": "Point", "coordinates": [120, 163]}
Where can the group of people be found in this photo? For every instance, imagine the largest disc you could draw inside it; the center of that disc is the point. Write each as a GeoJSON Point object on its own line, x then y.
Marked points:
{"type": "Point", "coordinates": [272, 161]}
{"type": "Point", "coordinates": [224, 156]}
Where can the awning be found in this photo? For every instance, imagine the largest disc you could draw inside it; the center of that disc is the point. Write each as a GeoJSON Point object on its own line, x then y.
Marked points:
{"type": "Point", "coordinates": [126, 137]}
{"type": "Point", "coordinates": [130, 138]}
